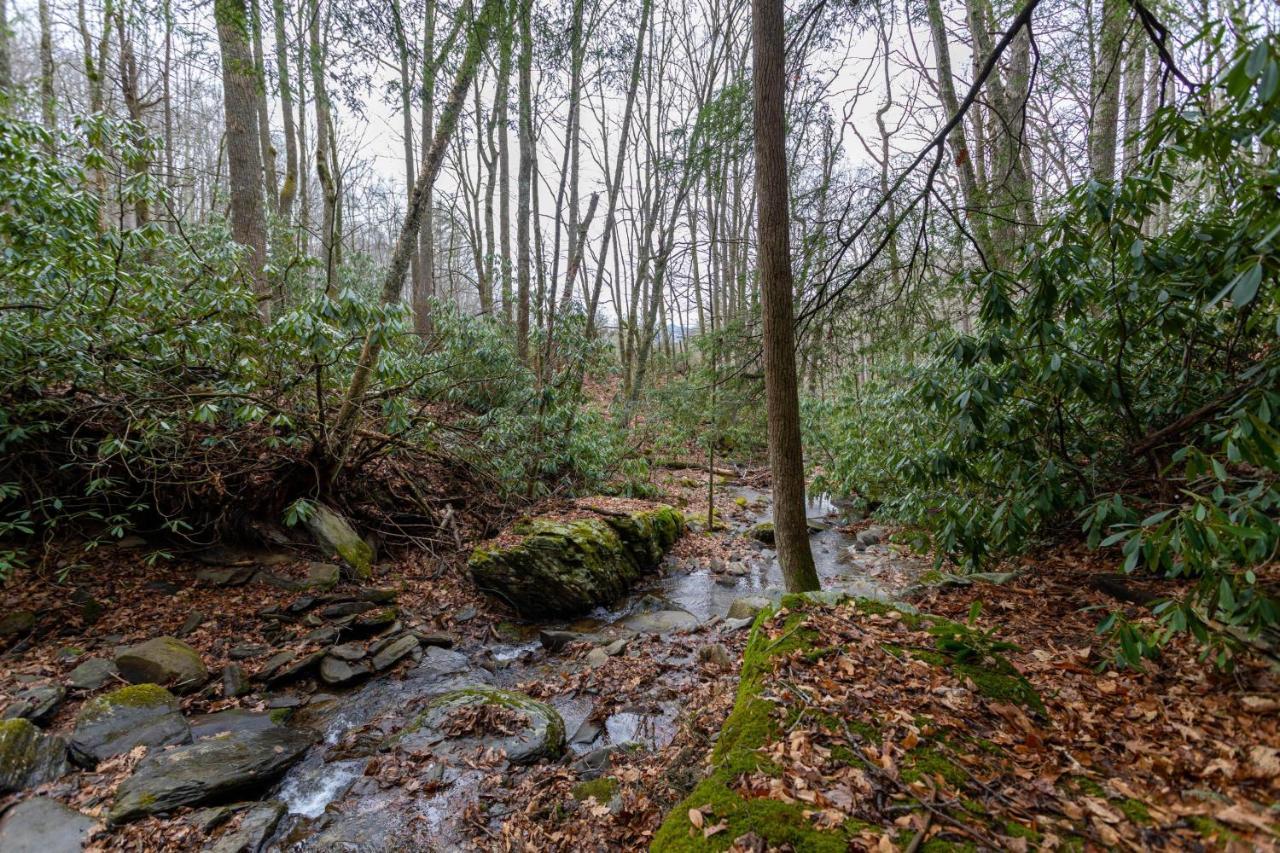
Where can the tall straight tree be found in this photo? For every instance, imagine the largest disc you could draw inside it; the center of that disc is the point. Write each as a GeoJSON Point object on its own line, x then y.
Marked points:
{"type": "Point", "coordinates": [524, 180]}
{"type": "Point", "coordinates": [289, 189]}
{"type": "Point", "coordinates": [240, 88]}
{"type": "Point", "coordinates": [774, 256]}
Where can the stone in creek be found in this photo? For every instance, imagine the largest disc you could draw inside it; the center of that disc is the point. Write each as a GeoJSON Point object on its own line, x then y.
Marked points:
{"type": "Point", "coordinates": [234, 682]}
{"type": "Point", "coordinates": [554, 641]}
{"type": "Point", "coordinates": [44, 825]}
{"type": "Point", "coordinates": [322, 576]}
{"type": "Point", "coordinates": [562, 568]}
{"type": "Point", "coordinates": [230, 720]}
{"type": "Point", "coordinates": [441, 670]}
{"type": "Point", "coordinates": [116, 722]}
{"type": "Point", "coordinates": [28, 756]}
{"type": "Point", "coordinates": [738, 624]}
{"type": "Point", "coordinates": [538, 734]}
{"type": "Point", "coordinates": [37, 703]}
{"type": "Point", "coordinates": [347, 651]}
{"type": "Point", "coordinates": [255, 827]}
{"type": "Point", "coordinates": [871, 536]}
{"type": "Point", "coordinates": [661, 622]}
{"type": "Point", "coordinates": [209, 770]}
{"type": "Point", "coordinates": [340, 673]}
{"type": "Point", "coordinates": [748, 606]}
{"type": "Point", "coordinates": [92, 674]}
{"type": "Point", "coordinates": [392, 652]}
{"type": "Point", "coordinates": [335, 535]}
{"type": "Point", "coordinates": [163, 660]}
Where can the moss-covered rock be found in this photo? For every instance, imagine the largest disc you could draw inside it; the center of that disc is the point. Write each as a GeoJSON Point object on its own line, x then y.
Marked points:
{"type": "Point", "coordinates": [564, 568]}
{"type": "Point", "coordinates": [335, 534]}
{"type": "Point", "coordinates": [29, 757]}
{"type": "Point", "coordinates": [116, 722]}
{"type": "Point", "coordinates": [163, 660]}
{"type": "Point", "coordinates": [16, 624]}
{"type": "Point", "coordinates": [524, 729]}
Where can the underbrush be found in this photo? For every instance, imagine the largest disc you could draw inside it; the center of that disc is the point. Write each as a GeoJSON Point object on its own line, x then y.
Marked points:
{"type": "Point", "coordinates": [1122, 382]}
{"type": "Point", "coordinates": [140, 389]}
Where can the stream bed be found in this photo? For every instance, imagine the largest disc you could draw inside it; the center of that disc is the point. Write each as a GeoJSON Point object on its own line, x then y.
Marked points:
{"type": "Point", "coordinates": [334, 801]}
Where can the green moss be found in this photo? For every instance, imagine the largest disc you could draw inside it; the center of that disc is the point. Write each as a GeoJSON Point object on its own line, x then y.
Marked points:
{"type": "Point", "coordinates": [931, 761]}
{"type": "Point", "coordinates": [602, 789]}
{"type": "Point", "coordinates": [1136, 811]}
{"type": "Point", "coordinates": [1013, 829]}
{"type": "Point", "coordinates": [1212, 830]}
{"type": "Point", "coordinates": [279, 715]}
{"type": "Point", "coordinates": [132, 696]}
{"type": "Point", "coordinates": [933, 576]}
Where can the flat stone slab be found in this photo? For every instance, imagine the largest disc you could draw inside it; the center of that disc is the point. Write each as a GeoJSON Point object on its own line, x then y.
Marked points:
{"type": "Point", "coordinates": [463, 723]}
{"type": "Point", "coordinates": [207, 771]}
{"type": "Point", "coordinates": [116, 722]}
{"type": "Point", "coordinates": [92, 674]}
{"type": "Point", "coordinates": [660, 622]}
{"type": "Point", "coordinates": [43, 825]}
{"type": "Point", "coordinates": [28, 756]}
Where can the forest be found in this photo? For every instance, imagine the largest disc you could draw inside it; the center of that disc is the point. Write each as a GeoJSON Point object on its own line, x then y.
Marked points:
{"type": "Point", "coordinates": [746, 425]}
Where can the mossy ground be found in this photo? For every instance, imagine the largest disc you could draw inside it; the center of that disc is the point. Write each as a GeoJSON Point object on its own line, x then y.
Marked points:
{"type": "Point", "coordinates": [755, 724]}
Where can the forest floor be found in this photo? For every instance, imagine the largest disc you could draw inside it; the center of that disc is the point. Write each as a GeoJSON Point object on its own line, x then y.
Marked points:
{"type": "Point", "coordinates": [1178, 755]}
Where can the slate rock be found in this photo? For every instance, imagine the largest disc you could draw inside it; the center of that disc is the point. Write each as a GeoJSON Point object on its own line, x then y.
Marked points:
{"type": "Point", "coordinates": [435, 638]}
{"type": "Point", "coordinates": [163, 660]}
{"type": "Point", "coordinates": [28, 756]}
{"type": "Point", "coordinates": [343, 609]}
{"type": "Point", "coordinates": [92, 674]}
{"type": "Point", "coordinates": [193, 621]}
{"type": "Point", "coordinates": [234, 681]}
{"type": "Point", "coordinates": [339, 673]}
{"type": "Point", "coordinates": [373, 621]}
{"type": "Point", "coordinates": [116, 722]}
{"type": "Point", "coordinates": [335, 535]}
{"type": "Point", "coordinates": [44, 825]}
{"type": "Point", "coordinates": [256, 825]}
{"type": "Point", "coordinates": [230, 720]}
{"type": "Point", "coordinates": [227, 575]}
{"type": "Point", "coordinates": [206, 771]}
{"type": "Point", "coordinates": [871, 536]}
{"type": "Point", "coordinates": [392, 652]}
{"type": "Point", "coordinates": [36, 704]}
{"type": "Point", "coordinates": [536, 730]}
{"type": "Point", "coordinates": [322, 576]}
{"type": "Point", "coordinates": [246, 652]}
{"type": "Point", "coordinates": [748, 606]}
{"type": "Point", "coordinates": [554, 641]}
{"type": "Point", "coordinates": [296, 668]}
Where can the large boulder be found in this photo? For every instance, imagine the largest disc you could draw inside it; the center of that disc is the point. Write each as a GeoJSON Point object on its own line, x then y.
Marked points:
{"type": "Point", "coordinates": [210, 770]}
{"type": "Point", "coordinates": [335, 535]}
{"type": "Point", "coordinates": [116, 722]}
{"type": "Point", "coordinates": [42, 825]}
{"type": "Point", "coordinates": [660, 621]}
{"type": "Point", "coordinates": [463, 723]}
{"type": "Point", "coordinates": [547, 567]}
{"type": "Point", "coordinates": [28, 756]}
{"type": "Point", "coordinates": [163, 660]}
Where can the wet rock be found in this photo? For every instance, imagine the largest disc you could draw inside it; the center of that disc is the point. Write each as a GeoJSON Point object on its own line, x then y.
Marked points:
{"type": "Point", "coordinates": [568, 567]}
{"type": "Point", "coordinates": [208, 770]}
{"type": "Point", "coordinates": [554, 641]}
{"type": "Point", "coordinates": [586, 733]}
{"type": "Point", "coordinates": [116, 722]}
{"type": "Point", "coordinates": [762, 532]}
{"type": "Point", "coordinates": [226, 575]}
{"type": "Point", "coordinates": [16, 624]}
{"type": "Point", "coordinates": [392, 652]}
{"type": "Point", "coordinates": [28, 756]}
{"type": "Point", "coordinates": [285, 701]}
{"type": "Point", "coordinates": [163, 660]}
{"type": "Point", "coordinates": [92, 674]}
{"type": "Point", "coordinates": [256, 825]}
{"type": "Point", "coordinates": [661, 622]}
{"type": "Point", "coordinates": [335, 535]}
{"type": "Point", "coordinates": [37, 704]}
{"type": "Point", "coordinates": [538, 728]}
{"type": "Point", "coordinates": [230, 720]}
{"type": "Point", "coordinates": [715, 654]}
{"type": "Point", "coordinates": [748, 606]}
{"type": "Point", "coordinates": [234, 681]}
{"type": "Point", "coordinates": [870, 536]}
{"type": "Point", "coordinates": [442, 670]}
{"type": "Point", "coordinates": [347, 651]}
{"type": "Point", "coordinates": [738, 624]}
{"type": "Point", "coordinates": [339, 673]}
{"type": "Point", "coordinates": [322, 576]}
{"type": "Point", "coordinates": [193, 621]}
{"type": "Point", "coordinates": [44, 825]}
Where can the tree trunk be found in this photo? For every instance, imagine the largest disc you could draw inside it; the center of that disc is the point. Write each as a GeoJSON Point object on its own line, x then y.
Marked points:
{"type": "Point", "coordinates": [1105, 89]}
{"type": "Point", "coordinates": [773, 248]}
{"type": "Point", "coordinates": [6, 62]}
{"type": "Point", "coordinates": [244, 157]}
{"type": "Point", "coordinates": [424, 284]}
{"type": "Point", "coordinates": [501, 109]}
{"type": "Point", "coordinates": [264, 118]}
{"type": "Point", "coordinates": [47, 113]}
{"type": "Point", "coordinates": [524, 179]}
{"type": "Point", "coordinates": [406, 114]}
{"type": "Point", "coordinates": [288, 189]}
{"type": "Point", "coordinates": [329, 237]}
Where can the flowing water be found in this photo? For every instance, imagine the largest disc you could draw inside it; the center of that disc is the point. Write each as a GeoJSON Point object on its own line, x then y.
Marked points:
{"type": "Point", "coordinates": [333, 805]}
